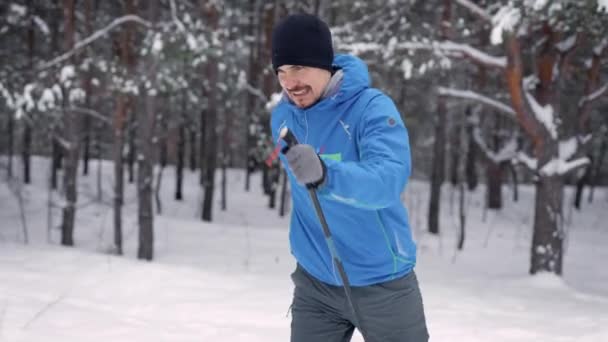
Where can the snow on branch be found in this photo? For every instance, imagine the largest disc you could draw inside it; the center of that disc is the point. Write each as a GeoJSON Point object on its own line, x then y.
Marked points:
{"type": "Point", "coordinates": [98, 34]}
{"type": "Point", "coordinates": [566, 44]}
{"type": "Point", "coordinates": [544, 114]}
{"type": "Point", "coordinates": [473, 96]}
{"type": "Point", "coordinates": [505, 20]}
{"type": "Point", "coordinates": [506, 153]}
{"type": "Point", "coordinates": [440, 48]}
{"type": "Point", "coordinates": [599, 49]}
{"type": "Point", "coordinates": [476, 55]}
{"type": "Point", "coordinates": [593, 96]}
{"type": "Point", "coordinates": [475, 9]}
{"type": "Point", "coordinates": [526, 160]}
{"type": "Point", "coordinates": [176, 20]}
{"type": "Point", "coordinates": [558, 166]}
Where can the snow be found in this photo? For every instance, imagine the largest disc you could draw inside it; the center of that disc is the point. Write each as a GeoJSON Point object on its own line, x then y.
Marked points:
{"type": "Point", "coordinates": [505, 20]}
{"type": "Point", "coordinates": [473, 7]}
{"type": "Point", "coordinates": [28, 97]}
{"type": "Point", "coordinates": [46, 101]}
{"type": "Point", "coordinates": [157, 44]}
{"type": "Point", "coordinates": [599, 48]}
{"type": "Point", "coordinates": [476, 97]}
{"type": "Point", "coordinates": [558, 166]}
{"type": "Point", "coordinates": [18, 9]}
{"type": "Point", "coordinates": [506, 153]}
{"type": "Point", "coordinates": [529, 162]}
{"type": "Point", "coordinates": [406, 67]}
{"type": "Point", "coordinates": [567, 148]}
{"type": "Point", "coordinates": [544, 114]}
{"type": "Point", "coordinates": [539, 4]}
{"type": "Point", "coordinates": [77, 95]}
{"type": "Point", "coordinates": [275, 98]}
{"type": "Point", "coordinates": [566, 44]}
{"type": "Point", "coordinates": [44, 28]}
{"type": "Point", "coordinates": [68, 72]}
{"type": "Point", "coordinates": [229, 280]}
{"type": "Point", "coordinates": [191, 41]}
{"type": "Point", "coordinates": [6, 95]}
{"type": "Point", "coordinates": [602, 5]}
{"type": "Point", "coordinates": [439, 48]}
{"type": "Point", "coordinates": [594, 95]}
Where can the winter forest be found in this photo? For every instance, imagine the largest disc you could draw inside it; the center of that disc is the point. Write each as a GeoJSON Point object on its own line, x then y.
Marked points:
{"type": "Point", "coordinates": [140, 200]}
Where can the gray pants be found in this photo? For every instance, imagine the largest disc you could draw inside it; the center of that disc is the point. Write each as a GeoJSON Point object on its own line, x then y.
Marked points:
{"type": "Point", "coordinates": [389, 312]}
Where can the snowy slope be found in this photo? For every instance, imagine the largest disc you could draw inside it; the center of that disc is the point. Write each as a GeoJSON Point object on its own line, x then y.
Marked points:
{"type": "Point", "coordinates": [229, 281]}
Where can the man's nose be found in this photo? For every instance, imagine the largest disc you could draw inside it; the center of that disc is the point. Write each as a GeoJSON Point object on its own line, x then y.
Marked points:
{"type": "Point", "coordinates": [290, 83]}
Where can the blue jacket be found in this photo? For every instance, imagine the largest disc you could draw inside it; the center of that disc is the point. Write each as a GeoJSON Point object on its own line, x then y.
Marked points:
{"type": "Point", "coordinates": [360, 136]}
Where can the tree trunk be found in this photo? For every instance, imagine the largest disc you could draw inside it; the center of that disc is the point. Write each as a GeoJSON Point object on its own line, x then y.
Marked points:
{"type": "Point", "coordinates": [598, 167]}
{"type": "Point", "coordinates": [580, 184]}
{"type": "Point", "coordinates": [438, 160]}
{"type": "Point", "coordinates": [119, 129]}
{"type": "Point", "coordinates": [210, 12]}
{"type": "Point", "coordinates": [123, 104]}
{"type": "Point", "coordinates": [179, 166]}
{"type": "Point", "coordinates": [145, 176]}
{"type": "Point", "coordinates": [26, 153]}
{"type": "Point", "coordinates": [86, 148]}
{"type": "Point", "coordinates": [26, 147]}
{"type": "Point", "coordinates": [132, 148]}
{"type": "Point", "coordinates": [515, 182]}
{"type": "Point", "coordinates": [252, 77]}
{"type": "Point", "coordinates": [192, 133]}
{"type": "Point", "coordinates": [547, 240]}
{"type": "Point", "coordinates": [224, 184]}
{"type": "Point", "coordinates": [10, 148]}
{"type": "Point", "coordinates": [455, 149]}
{"type": "Point", "coordinates": [87, 85]}
{"type": "Point", "coordinates": [494, 184]}
{"type": "Point", "coordinates": [471, 157]}
{"type": "Point", "coordinates": [71, 125]}
{"type": "Point", "coordinates": [56, 163]}
{"type": "Point", "coordinates": [163, 141]}
{"type": "Point", "coordinates": [98, 155]}
{"type": "Point", "coordinates": [145, 165]}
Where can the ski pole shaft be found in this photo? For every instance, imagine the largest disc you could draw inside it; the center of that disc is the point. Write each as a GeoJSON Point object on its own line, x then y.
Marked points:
{"type": "Point", "coordinates": [291, 140]}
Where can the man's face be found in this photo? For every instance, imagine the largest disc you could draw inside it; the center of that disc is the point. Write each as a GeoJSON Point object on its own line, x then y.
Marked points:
{"type": "Point", "coordinates": [304, 85]}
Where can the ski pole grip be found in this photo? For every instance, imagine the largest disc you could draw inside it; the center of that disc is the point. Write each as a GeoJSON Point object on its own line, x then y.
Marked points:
{"type": "Point", "coordinates": [288, 137]}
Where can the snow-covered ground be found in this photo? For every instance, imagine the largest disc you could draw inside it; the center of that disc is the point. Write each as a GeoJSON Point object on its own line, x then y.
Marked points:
{"type": "Point", "coordinates": [229, 280]}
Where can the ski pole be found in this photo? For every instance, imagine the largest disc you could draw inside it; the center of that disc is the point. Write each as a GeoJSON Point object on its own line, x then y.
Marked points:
{"type": "Point", "coordinates": [291, 140]}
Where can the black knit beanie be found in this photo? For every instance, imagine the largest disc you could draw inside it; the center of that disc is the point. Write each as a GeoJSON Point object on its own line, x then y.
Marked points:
{"type": "Point", "coordinates": [302, 39]}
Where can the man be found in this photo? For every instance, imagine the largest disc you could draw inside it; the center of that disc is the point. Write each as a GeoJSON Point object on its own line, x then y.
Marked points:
{"type": "Point", "coordinates": [354, 152]}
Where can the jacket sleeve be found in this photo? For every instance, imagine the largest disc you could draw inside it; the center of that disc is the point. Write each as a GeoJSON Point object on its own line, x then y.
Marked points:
{"type": "Point", "coordinates": [378, 178]}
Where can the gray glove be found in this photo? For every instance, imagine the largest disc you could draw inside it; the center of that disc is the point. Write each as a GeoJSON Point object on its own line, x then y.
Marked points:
{"type": "Point", "coordinates": [306, 165]}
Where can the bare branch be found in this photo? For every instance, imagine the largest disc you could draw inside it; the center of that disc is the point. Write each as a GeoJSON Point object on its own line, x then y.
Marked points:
{"type": "Point", "coordinates": [473, 96]}
{"type": "Point", "coordinates": [593, 96]}
{"type": "Point", "coordinates": [255, 91]}
{"type": "Point", "coordinates": [78, 46]}
{"type": "Point", "coordinates": [478, 11]}
{"type": "Point", "coordinates": [93, 113]}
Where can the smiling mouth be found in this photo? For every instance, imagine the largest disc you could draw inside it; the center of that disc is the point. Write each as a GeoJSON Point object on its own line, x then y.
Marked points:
{"type": "Point", "coordinates": [299, 92]}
